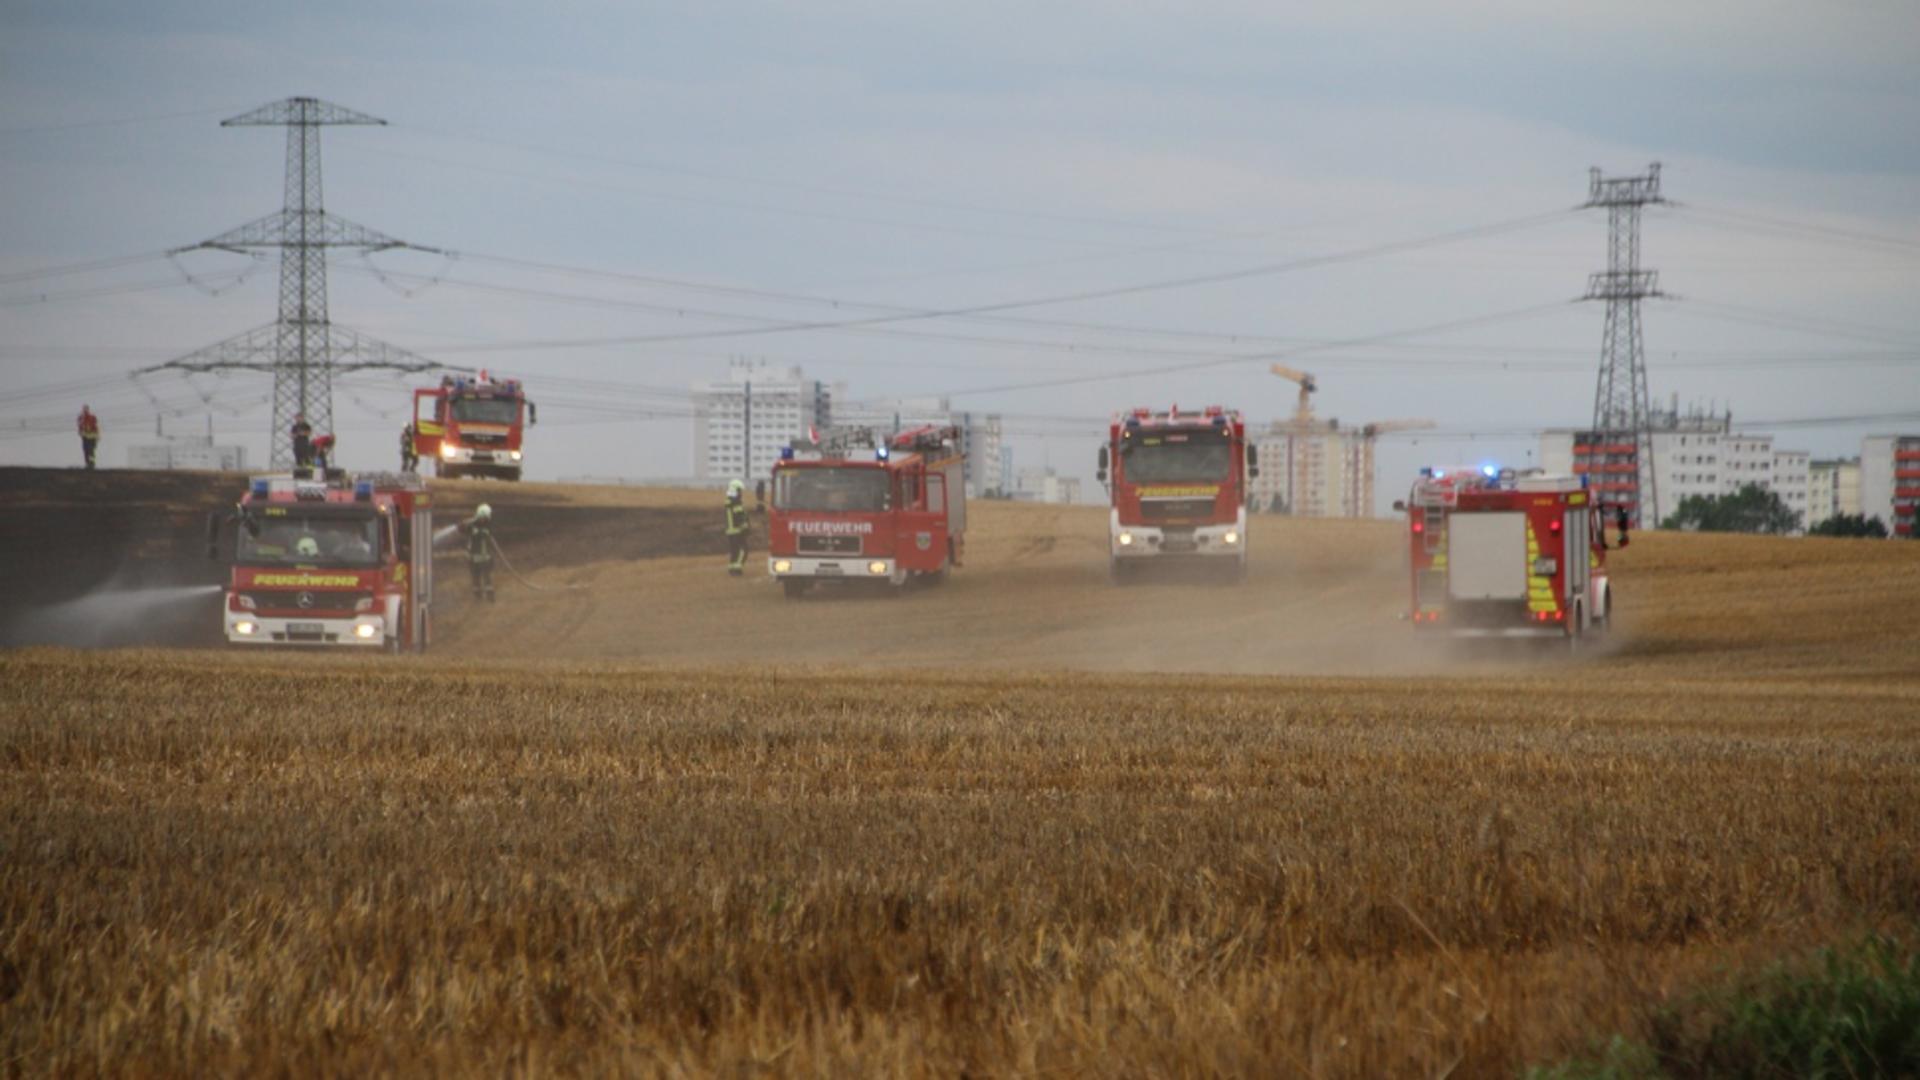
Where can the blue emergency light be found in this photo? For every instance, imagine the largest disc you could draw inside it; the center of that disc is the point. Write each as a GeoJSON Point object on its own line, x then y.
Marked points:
{"type": "Point", "coordinates": [1490, 471]}
{"type": "Point", "coordinates": [786, 452]}
{"type": "Point", "coordinates": [363, 490]}
{"type": "Point", "coordinates": [261, 486]}
{"type": "Point", "coordinates": [880, 452]}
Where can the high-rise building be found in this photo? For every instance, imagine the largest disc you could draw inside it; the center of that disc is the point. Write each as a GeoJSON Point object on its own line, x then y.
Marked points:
{"type": "Point", "coordinates": [742, 422]}
{"type": "Point", "coordinates": [1890, 481]}
{"type": "Point", "coordinates": [1693, 453]}
{"type": "Point", "coordinates": [1311, 472]}
{"type": "Point", "coordinates": [1042, 484]}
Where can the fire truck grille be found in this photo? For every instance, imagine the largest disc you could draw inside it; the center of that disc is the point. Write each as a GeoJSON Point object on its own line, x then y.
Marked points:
{"type": "Point", "coordinates": [318, 602]}
{"type": "Point", "coordinates": [829, 545]}
{"type": "Point", "coordinates": [476, 438]}
{"type": "Point", "coordinates": [1175, 509]}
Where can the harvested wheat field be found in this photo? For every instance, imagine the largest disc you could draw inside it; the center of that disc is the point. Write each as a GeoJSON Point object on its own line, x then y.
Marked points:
{"type": "Point", "coordinates": [1021, 823]}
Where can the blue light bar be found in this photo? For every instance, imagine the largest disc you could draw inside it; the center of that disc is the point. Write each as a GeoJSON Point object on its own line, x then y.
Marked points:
{"type": "Point", "coordinates": [786, 452]}
{"type": "Point", "coordinates": [363, 490]}
{"type": "Point", "coordinates": [260, 487]}
{"type": "Point", "coordinates": [880, 452]}
{"type": "Point", "coordinates": [1490, 470]}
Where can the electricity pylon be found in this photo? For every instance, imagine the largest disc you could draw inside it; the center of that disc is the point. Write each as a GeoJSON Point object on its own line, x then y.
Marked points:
{"type": "Point", "coordinates": [302, 348]}
{"type": "Point", "coordinates": [1618, 452]}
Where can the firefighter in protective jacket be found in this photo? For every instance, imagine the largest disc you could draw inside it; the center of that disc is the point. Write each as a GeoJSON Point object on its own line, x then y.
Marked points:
{"type": "Point", "coordinates": [736, 528]}
{"type": "Point", "coordinates": [479, 530]}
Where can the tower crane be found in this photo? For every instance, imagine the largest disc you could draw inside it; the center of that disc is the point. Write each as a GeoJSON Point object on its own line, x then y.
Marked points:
{"type": "Point", "coordinates": [1303, 411]}
{"type": "Point", "coordinates": [1299, 465]}
{"type": "Point", "coordinates": [1360, 473]}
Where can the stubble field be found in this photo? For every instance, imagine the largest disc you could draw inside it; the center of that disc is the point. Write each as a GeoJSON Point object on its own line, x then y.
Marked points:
{"type": "Point", "coordinates": [673, 823]}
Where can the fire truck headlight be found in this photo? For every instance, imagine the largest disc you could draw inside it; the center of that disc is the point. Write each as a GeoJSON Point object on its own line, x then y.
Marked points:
{"type": "Point", "coordinates": [448, 449]}
{"type": "Point", "coordinates": [1231, 537]}
{"type": "Point", "coordinates": [245, 627]}
{"type": "Point", "coordinates": [876, 567]}
{"type": "Point", "coordinates": [782, 566]}
{"type": "Point", "coordinates": [365, 630]}
{"type": "Point", "coordinates": [514, 454]}
{"type": "Point", "coordinates": [1126, 539]}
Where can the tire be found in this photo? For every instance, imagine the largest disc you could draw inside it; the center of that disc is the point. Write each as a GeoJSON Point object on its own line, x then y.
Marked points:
{"type": "Point", "coordinates": [794, 588]}
{"type": "Point", "coordinates": [1573, 630]}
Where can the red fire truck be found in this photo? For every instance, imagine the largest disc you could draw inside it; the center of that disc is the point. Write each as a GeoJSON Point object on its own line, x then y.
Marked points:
{"type": "Point", "coordinates": [1500, 555]}
{"type": "Point", "coordinates": [1178, 483]}
{"type": "Point", "coordinates": [855, 506]}
{"type": "Point", "coordinates": [472, 426]}
{"type": "Point", "coordinates": [330, 562]}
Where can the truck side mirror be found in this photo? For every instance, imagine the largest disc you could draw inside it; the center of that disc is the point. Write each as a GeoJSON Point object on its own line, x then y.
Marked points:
{"type": "Point", "coordinates": [1105, 458]}
{"type": "Point", "coordinates": [533, 414]}
{"type": "Point", "coordinates": [213, 535]}
{"type": "Point", "coordinates": [1620, 518]}
{"type": "Point", "coordinates": [1399, 506]}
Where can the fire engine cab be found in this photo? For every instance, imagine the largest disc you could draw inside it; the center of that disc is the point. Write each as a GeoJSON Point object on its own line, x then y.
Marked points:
{"type": "Point", "coordinates": [1503, 555]}
{"type": "Point", "coordinates": [472, 426]}
{"type": "Point", "coordinates": [332, 562]}
{"type": "Point", "coordinates": [1178, 484]}
{"type": "Point", "coordinates": [857, 506]}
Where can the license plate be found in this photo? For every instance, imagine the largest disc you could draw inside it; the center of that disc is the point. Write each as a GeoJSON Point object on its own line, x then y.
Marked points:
{"type": "Point", "coordinates": [306, 628]}
{"type": "Point", "coordinates": [1177, 545]}
{"type": "Point", "coordinates": [480, 456]}
{"type": "Point", "coordinates": [827, 569]}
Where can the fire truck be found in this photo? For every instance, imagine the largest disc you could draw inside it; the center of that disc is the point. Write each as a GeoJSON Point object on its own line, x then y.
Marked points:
{"type": "Point", "coordinates": [1496, 554]}
{"type": "Point", "coordinates": [472, 426]}
{"type": "Point", "coordinates": [1178, 484]}
{"type": "Point", "coordinates": [329, 562]}
{"type": "Point", "coordinates": [860, 507]}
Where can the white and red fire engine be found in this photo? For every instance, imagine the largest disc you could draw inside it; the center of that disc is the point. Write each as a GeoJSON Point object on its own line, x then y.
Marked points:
{"type": "Point", "coordinates": [1495, 554]}
{"type": "Point", "coordinates": [472, 426]}
{"type": "Point", "coordinates": [1178, 484]}
{"type": "Point", "coordinates": [331, 562]}
{"type": "Point", "coordinates": [855, 506]}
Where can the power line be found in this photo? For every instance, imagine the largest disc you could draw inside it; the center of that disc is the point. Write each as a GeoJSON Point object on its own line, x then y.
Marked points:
{"type": "Point", "coordinates": [120, 121]}
{"type": "Point", "coordinates": [1764, 225]}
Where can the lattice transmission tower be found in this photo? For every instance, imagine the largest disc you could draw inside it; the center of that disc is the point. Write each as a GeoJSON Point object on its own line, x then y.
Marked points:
{"type": "Point", "coordinates": [1617, 454]}
{"type": "Point", "coordinates": [301, 348]}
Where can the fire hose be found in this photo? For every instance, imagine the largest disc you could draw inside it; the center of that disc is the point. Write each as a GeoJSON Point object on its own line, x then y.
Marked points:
{"type": "Point", "coordinates": [522, 578]}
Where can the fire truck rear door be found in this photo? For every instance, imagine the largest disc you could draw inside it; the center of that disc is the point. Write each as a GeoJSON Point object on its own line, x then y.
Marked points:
{"type": "Point", "coordinates": [1487, 555]}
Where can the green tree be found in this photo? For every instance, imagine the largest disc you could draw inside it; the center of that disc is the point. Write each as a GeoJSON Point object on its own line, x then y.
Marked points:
{"type": "Point", "coordinates": [1752, 509]}
{"type": "Point", "coordinates": [1850, 525]}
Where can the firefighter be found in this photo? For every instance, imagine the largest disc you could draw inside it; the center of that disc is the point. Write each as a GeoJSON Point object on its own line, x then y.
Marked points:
{"type": "Point", "coordinates": [323, 452]}
{"type": "Point", "coordinates": [409, 460]}
{"type": "Point", "coordinates": [479, 530]}
{"type": "Point", "coordinates": [89, 434]}
{"type": "Point", "coordinates": [737, 528]}
{"type": "Point", "coordinates": [302, 434]}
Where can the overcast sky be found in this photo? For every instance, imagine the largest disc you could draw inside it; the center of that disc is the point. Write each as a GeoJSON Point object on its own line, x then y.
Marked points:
{"type": "Point", "coordinates": [935, 157]}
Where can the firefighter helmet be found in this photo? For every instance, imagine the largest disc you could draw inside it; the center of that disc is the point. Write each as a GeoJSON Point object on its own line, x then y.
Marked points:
{"type": "Point", "coordinates": [307, 546]}
{"type": "Point", "coordinates": [484, 513]}
{"type": "Point", "coordinates": [736, 488]}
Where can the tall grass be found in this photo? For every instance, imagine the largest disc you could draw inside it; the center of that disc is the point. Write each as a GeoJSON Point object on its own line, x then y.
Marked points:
{"type": "Point", "coordinates": [261, 864]}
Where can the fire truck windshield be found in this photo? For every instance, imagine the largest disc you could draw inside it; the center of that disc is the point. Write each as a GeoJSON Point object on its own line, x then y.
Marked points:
{"type": "Point", "coordinates": [851, 489]}
{"type": "Point", "coordinates": [296, 536]}
{"type": "Point", "coordinates": [486, 410]}
{"type": "Point", "coordinates": [1176, 458]}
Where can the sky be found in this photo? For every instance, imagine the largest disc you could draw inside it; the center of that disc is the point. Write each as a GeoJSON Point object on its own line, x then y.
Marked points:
{"type": "Point", "coordinates": [633, 195]}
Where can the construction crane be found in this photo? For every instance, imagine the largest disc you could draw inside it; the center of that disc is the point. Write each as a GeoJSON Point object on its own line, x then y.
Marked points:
{"type": "Point", "coordinates": [1303, 411]}
{"type": "Point", "coordinates": [1360, 472]}
{"type": "Point", "coordinates": [1300, 441]}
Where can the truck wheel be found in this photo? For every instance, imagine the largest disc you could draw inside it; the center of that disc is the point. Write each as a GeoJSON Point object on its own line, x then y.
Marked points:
{"type": "Point", "coordinates": [1119, 571]}
{"type": "Point", "coordinates": [794, 588]}
{"type": "Point", "coordinates": [1573, 629]}
{"type": "Point", "coordinates": [393, 646]}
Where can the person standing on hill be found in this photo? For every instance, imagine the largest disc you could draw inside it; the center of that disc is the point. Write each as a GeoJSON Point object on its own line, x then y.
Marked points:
{"type": "Point", "coordinates": [736, 528]}
{"type": "Point", "coordinates": [89, 434]}
{"type": "Point", "coordinates": [302, 434]}
{"type": "Point", "coordinates": [479, 530]}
